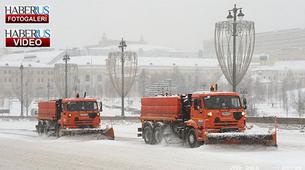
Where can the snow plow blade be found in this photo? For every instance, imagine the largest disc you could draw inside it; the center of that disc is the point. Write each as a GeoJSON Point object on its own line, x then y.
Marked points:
{"type": "Point", "coordinates": [242, 139]}
{"type": "Point", "coordinates": [107, 133]}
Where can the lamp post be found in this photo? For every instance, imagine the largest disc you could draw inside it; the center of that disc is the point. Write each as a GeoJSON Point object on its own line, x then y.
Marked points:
{"type": "Point", "coordinates": [121, 80]}
{"type": "Point", "coordinates": [21, 87]}
{"type": "Point", "coordinates": [27, 102]}
{"type": "Point", "coordinates": [48, 89]}
{"type": "Point", "coordinates": [234, 45]}
{"type": "Point", "coordinates": [240, 15]}
{"type": "Point", "coordinates": [66, 58]}
{"type": "Point", "coordinates": [122, 46]}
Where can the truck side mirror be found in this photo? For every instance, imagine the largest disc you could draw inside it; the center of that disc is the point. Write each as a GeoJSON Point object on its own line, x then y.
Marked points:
{"type": "Point", "coordinates": [101, 106]}
{"type": "Point", "coordinates": [245, 103]}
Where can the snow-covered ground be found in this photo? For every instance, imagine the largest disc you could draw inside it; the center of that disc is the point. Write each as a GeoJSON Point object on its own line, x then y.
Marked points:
{"type": "Point", "coordinates": [22, 148]}
{"type": "Point", "coordinates": [275, 109]}
{"type": "Point", "coordinates": [269, 109]}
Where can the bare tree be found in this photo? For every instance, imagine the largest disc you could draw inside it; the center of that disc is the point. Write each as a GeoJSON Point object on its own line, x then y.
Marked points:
{"type": "Point", "coordinates": [300, 103]}
{"type": "Point", "coordinates": [284, 96]}
{"type": "Point", "coordinates": [72, 78]}
{"type": "Point", "coordinates": [178, 78]}
{"type": "Point", "coordinates": [122, 69]}
{"type": "Point", "coordinates": [28, 86]}
{"type": "Point", "coordinates": [142, 81]}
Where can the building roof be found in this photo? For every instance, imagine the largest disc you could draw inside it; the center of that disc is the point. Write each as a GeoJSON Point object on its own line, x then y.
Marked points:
{"type": "Point", "coordinates": [136, 47]}
{"type": "Point", "coordinates": [284, 65]}
{"type": "Point", "coordinates": [40, 58]}
{"type": "Point", "coordinates": [149, 61]}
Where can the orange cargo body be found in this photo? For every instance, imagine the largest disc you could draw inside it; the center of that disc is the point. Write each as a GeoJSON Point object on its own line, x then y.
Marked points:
{"type": "Point", "coordinates": [161, 108]}
{"type": "Point", "coordinates": [46, 110]}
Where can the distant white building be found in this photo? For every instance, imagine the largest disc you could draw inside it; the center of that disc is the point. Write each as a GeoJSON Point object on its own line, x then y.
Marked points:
{"type": "Point", "coordinates": [93, 76]}
{"type": "Point", "coordinates": [288, 44]}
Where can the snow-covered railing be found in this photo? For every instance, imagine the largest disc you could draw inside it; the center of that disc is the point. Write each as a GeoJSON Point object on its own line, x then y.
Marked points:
{"type": "Point", "coordinates": [280, 120]}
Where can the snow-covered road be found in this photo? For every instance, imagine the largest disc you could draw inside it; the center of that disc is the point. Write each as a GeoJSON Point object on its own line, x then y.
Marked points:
{"type": "Point", "coordinates": [21, 148]}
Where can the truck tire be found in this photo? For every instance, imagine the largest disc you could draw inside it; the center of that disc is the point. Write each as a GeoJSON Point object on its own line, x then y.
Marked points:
{"type": "Point", "coordinates": [148, 135]}
{"type": "Point", "coordinates": [39, 128]}
{"type": "Point", "coordinates": [158, 134]}
{"type": "Point", "coordinates": [58, 131]}
{"type": "Point", "coordinates": [45, 128]}
{"type": "Point", "coordinates": [191, 138]}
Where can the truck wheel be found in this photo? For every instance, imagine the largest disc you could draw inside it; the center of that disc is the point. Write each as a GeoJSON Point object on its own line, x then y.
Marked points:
{"type": "Point", "coordinates": [158, 134]}
{"type": "Point", "coordinates": [58, 131]}
{"type": "Point", "coordinates": [191, 138]}
{"type": "Point", "coordinates": [148, 135]}
{"type": "Point", "coordinates": [45, 129]}
{"type": "Point", "coordinates": [39, 128]}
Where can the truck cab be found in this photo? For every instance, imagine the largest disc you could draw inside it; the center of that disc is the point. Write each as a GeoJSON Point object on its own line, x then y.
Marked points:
{"type": "Point", "coordinates": [198, 118]}
{"type": "Point", "coordinates": [220, 111]}
{"type": "Point", "coordinates": [80, 113]}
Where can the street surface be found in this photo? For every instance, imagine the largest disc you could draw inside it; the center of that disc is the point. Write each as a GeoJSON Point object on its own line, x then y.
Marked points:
{"type": "Point", "coordinates": [22, 148]}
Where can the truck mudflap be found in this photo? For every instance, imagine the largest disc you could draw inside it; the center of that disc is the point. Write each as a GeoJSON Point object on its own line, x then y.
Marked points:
{"type": "Point", "coordinates": [242, 138]}
{"type": "Point", "coordinates": [107, 133]}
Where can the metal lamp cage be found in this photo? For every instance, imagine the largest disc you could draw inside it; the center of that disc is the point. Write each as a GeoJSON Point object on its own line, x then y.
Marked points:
{"type": "Point", "coordinates": [114, 67]}
{"type": "Point", "coordinates": [245, 40]}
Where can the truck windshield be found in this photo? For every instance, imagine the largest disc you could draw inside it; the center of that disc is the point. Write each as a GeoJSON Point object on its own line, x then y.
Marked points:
{"type": "Point", "coordinates": [222, 102]}
{"type": "Point", "coordinates": [82, 106]}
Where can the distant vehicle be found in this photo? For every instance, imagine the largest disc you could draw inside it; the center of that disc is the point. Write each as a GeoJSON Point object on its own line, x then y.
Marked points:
{"type": "Point", "coordinates": [71, 116]}
{"type": "Point", "coordinates": [199, 118]}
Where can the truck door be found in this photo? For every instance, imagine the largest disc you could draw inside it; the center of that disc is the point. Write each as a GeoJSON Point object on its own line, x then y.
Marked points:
{"type": "Point", "coordinates": [197, 109]}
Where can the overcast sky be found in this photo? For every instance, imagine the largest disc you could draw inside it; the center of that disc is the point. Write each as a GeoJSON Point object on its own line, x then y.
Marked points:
{"type": "Point", "coordinates": [182, 24]}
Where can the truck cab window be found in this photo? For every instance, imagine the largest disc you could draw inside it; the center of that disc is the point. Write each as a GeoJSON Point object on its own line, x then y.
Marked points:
{"type": "Point", "coordinates": [222, 102]}
{"type": "Point", "coordinates": [82, 106]}
{"type": "Point", "coordinates": [197, 104]}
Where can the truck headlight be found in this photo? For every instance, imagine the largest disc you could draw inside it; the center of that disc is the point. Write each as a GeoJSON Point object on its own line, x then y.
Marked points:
{"type": "Point", "coordinates": [243, 113]}
{"type": "Point", "coordinates": [210, 114]}
{"type": "Point", "coordinates": [70, 115]}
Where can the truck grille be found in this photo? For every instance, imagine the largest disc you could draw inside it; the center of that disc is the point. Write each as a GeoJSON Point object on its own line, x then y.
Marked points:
{"type": "Point", "coordinates": [83, 122]}
{"type": "Point", "coordinates": [218, 122]}
{"type": "Point", "coordinates": [92, 115]}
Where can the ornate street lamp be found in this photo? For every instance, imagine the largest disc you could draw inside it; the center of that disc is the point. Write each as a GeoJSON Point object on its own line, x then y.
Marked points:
{"type": "Point", "coordinates": [63, 83]}
{"type": "Point", "coordinates": [66, 58]}
{"type": "Point", "coordinates": [234, 45]}
{"type": "Point", "coordinates": [122, 68]}
{"type": "Point", "coordinates": [122, 46]}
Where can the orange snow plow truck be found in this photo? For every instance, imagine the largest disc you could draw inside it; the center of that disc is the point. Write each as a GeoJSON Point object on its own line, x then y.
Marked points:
{"type": "Point", "coordinates": [71, 116]}
{"type": "Point", "coordinates": [201, 118]}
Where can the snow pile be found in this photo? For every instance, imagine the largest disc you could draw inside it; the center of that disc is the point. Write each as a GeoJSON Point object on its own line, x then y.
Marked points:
{"type": "Point", "coordinates": [254, 131]}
